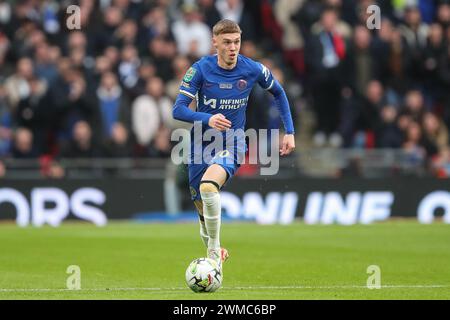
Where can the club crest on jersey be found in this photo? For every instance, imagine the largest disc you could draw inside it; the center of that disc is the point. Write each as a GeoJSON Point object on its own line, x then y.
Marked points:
{"type": "Point", "coordinates": [241, 84]}
{"type": "Point", "coordinates": [189, 74]}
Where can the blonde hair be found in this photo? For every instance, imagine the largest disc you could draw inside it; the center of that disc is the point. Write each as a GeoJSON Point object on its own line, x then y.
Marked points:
{"type": "Point", "coordinates": [226, 26]}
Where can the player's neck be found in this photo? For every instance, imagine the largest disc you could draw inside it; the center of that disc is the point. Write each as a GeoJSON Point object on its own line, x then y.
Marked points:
{"type": "Point", "coordinates": [223, 65]}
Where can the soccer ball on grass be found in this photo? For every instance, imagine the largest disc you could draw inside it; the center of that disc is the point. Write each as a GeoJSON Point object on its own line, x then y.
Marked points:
{"type": "Point", "coordinates": [204, 275]}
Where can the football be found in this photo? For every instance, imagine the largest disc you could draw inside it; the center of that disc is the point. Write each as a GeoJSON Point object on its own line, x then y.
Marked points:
{"type": "Point", "coordinates": [204, 275]}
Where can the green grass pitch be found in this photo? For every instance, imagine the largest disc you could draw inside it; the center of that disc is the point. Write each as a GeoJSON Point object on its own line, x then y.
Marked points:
{"type": "Point", "coordinates": [147, 261]}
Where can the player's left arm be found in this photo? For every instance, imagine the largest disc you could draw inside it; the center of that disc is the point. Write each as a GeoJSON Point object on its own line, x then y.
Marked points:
{"type": "Point", "coordinates": [268, 82]}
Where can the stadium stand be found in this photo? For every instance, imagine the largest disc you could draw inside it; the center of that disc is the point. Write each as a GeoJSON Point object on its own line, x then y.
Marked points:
{"type": "Point", "coordinates": [105, 91]}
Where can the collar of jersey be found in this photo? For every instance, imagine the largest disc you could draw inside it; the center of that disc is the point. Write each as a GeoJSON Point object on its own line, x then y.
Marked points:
{"type": "Point", "coordinates": [228, 70]}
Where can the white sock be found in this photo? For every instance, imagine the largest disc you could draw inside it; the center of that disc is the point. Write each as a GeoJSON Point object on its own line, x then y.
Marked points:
{"type": "Point", "coordinates": [204, 233]}
{"type": "Point", "coordinates": [212, 213]}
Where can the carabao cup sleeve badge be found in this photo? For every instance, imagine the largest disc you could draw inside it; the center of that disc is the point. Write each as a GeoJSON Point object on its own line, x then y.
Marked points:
{"type": "Point", "coordinates": [189, 74]}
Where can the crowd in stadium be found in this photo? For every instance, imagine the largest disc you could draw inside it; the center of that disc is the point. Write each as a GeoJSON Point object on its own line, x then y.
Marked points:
{"type": "Point", "coordinates": [107, 89]}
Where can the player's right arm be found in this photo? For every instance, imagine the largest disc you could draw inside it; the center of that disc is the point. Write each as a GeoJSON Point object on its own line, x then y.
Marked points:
{"type": "Point", "coordinates": [189, 87]}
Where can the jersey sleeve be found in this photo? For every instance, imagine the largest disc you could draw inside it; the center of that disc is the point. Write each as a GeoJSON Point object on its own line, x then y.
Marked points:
{"type": "Point", "coordinates": [268, 82]}
{"type": "Point", "coordinates": [192, 81]}
{"type": "Point", "coordinates": [190, 85]}
{"type": "Point", "coordinates": [265, 77]}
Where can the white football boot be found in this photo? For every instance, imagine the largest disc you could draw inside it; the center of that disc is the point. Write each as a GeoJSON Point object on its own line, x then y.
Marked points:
{"type": "Point", "coordinates": [218, 255]}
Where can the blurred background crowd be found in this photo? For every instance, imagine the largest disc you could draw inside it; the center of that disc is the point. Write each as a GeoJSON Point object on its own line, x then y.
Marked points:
{"type": "Point", "coordinates": [107, 90]}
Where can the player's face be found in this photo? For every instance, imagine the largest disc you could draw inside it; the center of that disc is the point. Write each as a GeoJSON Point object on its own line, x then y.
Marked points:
{"type": "Point", "coordinates": [228, 46]}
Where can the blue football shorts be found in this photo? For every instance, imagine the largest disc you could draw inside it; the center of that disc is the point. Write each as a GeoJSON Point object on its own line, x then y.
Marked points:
{"type": "Point", "coordinates": [226, 159]}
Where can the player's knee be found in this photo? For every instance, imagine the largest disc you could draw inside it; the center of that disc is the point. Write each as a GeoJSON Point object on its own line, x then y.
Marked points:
{"type": "Point", "coordinates": [208, 187]}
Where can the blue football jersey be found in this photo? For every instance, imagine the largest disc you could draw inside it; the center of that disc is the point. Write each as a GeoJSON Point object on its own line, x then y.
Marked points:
{"type": "Point", "coordinates": [224, 91]}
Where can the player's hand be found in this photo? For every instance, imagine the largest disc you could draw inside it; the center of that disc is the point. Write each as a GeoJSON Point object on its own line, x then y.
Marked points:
{"type": "Point", "coordinates": [219, 122]}
{"type": "Point", "coordinates": [288, 145]}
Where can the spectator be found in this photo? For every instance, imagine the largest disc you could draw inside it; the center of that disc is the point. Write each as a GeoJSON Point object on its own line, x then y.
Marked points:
{"type": "Point", "coordinates": [441, 165]}
{"type": "Point", "coordinates": [388, 134]}
{"type": "Point", "coordinates": [339, 26]}
{"type": "Point", "coordinates": [55, 171]}
{"type": "Point", "coordinates": [179, 66]}
{"type": "Point", "coordinates": [416, 143]}
{"type": "Point", "coordinates": [112, 19]}
{"type": "Point", "coordinates": [443, 15]}
{"type": "Point", "coordinates": [5, 13]}
{"type": "Point", "coordinates": [432, 53]}
{"type": "Point", "coordinates": [5, 124]}
{"type": "Point", "coordinates": [46, 63]}
{"type": "Point", "coordinates": [415, 32]}
{"type": "Point", "coordinates": [102, 64]}
{"type": "Point", "coordinates": [23, 147]}
{"type": "Point", "coordinates": [4, 49]}
{"type": "Point", "coordinates": [34, 113]}
{"type": "Point", "coordinates": [414, 105]}
{"type": "Point", "coordinates": [26, 37]}
{"type": "Point", "coordinates": [162, 52]}
{"type": "Point", "coordinates": [307, 14]}
{"type": "Point", "coordinates": [119, 144]}
{"type": "Point", "coordinates": [2, 170]}
{"type": "Point", "coordinates": [113, 55]}
{"type": "Point", "coordinates": [130, 9]}
{"type": "Point", "coordinates": [292, 41]}
{"type": "Point", "coordinates": [17, 85]}
{"type": "Point", "coordinates": [399, 61]}
{"type": "Point", "coordinates": [248, 49]}
{"type": "Point", "coordinates": [235, 10]}
{"type": "Point", "coordinates": [126, 34]}
{"type": "Point", "coordinates": [444, 79]}
{"type": "Point", "coordinates": [160, 147]}
{"type": "Point", "coordinates": [114, 105]}
{"type": "Point", "coordinates": [361, 114]}
{"type": "Point", "coordinates": [325, 54]}
{"type": "Point", "coordinates": [435, 131]}
{"type": "Point", "coordinates": [156, 24]}
{"type": "Point", "coordinates": [50, 19]}
{"type": "Point", "coordinates": [381, 48]}
{"type": "Point", "coordinates": [76, 40]}
{"type": "Point", "coordinates": [128, 67]}
{"type": "Point", "coordinates": [81, 144]}
{"type": "Point", "coordinates": [193, 37]}
{"type": "Point", "coordinates": [360, 64]}
{"type": "Point", "coordinates": [147, 70]}
{"type": "Point", "coordinates": [71, 101]}
{"type": "Point", "coordinates": [150, 112]}
{"type": "Point", "coordinates": [209, 11]}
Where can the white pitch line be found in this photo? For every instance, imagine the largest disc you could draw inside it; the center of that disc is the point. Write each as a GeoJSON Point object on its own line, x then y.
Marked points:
{"type": "Point", "coordinates": [419, 286]}
{"type": "Point", "coordinates": [341, 287]}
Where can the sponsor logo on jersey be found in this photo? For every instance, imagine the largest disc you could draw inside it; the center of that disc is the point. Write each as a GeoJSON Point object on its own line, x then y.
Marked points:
{"type": "Point", "coordinates": [232, 104]}
{"type": "Point", "coordinates": [225, 104]}
{"type": "Point", "coordinates": [241, 84]}
{"type": "Point", "coordinates": [210, 102]}
{"type": "Point", "coordinates": [225, 86]}
{"type": "Point", "coordinates": [189, 74]}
